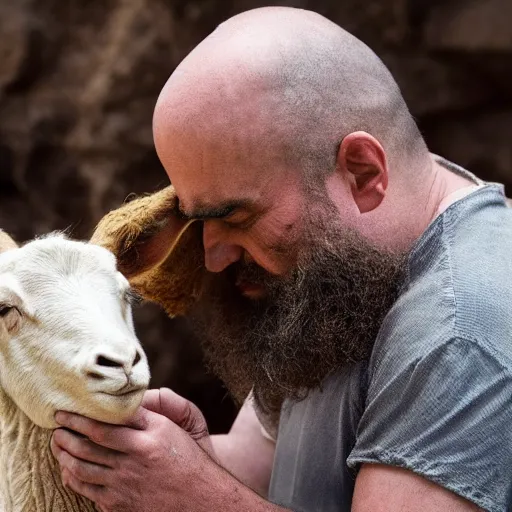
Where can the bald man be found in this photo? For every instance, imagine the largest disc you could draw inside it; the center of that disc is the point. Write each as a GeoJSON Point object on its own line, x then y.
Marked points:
{"type": "Point", "coordinates": [359, 286]}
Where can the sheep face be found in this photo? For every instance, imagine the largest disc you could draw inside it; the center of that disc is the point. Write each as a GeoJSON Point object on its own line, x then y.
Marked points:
{"type": "Point", "coordinates": [67, 340]}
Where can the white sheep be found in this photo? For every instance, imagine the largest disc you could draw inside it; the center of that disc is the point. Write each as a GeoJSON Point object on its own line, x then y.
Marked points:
{"type": "Point", "coordinates": [67, 342]}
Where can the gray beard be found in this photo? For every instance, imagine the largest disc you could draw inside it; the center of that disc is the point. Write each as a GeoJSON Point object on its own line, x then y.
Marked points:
{"type": "Point", "coordinates": [324, 315]}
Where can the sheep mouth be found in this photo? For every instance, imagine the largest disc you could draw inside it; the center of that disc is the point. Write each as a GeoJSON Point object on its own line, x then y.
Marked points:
{"type": "Point", "coordinates": [123, 392]}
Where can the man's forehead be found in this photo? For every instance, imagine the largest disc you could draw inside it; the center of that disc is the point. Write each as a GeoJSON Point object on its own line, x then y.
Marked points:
{"type": "Point", "coordinates": [214, 209]}
{"type": "Point", "coordinates": [219, 188]}
{"type": "Point", "coordinates": [210, 195]}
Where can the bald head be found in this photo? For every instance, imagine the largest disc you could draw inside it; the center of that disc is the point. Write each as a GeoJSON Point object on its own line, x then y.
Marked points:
{"type": "Point", "coordinates": [285, 86]}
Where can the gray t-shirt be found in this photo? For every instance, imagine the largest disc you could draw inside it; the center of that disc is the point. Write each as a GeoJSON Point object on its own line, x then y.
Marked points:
{"type": "Point", "coordinates": [436, 395]}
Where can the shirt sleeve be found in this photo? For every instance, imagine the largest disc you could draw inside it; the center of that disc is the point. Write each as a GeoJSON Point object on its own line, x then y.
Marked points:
{"type": "Point", "coordinates": [447, 417]}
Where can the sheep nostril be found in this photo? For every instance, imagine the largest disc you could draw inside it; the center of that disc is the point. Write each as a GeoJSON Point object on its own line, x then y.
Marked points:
{"type": "Point", "coordinates": [137, 358]}
{"type": "Point", "coordinates": [105, 361]}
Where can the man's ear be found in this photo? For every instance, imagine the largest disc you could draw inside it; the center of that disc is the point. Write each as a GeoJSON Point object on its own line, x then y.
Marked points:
{"type": "Point", "coordinates": [6, 242]}
{"type": "Point", "coordinates": [157, 251]}
{"type": "Point", "coordinates": [362, 160]}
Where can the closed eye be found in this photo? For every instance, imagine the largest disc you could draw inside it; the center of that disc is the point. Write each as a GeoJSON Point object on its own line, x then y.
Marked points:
{"type": "Point", "coordinates": [240, 220]}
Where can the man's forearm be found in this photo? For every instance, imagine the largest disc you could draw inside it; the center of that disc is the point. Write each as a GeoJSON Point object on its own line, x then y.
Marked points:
{"type": "Point", "coordinates": [245, 452]}
{"type": "Point", "coordinates": [224, 493]}
{"type": "Point", "coordinates": [251, 463]}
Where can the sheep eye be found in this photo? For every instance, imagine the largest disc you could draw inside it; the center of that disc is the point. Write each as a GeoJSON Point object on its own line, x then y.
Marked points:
{"type": "Point", "coordinates": [5, 309]}
{"type": "Point", "coordinates": [132, 297]}
{"type": "Point", "coordinates": [11, 321]}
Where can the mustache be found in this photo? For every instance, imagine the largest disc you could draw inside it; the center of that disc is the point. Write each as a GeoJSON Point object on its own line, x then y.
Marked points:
{"type": "Point", "coordinates": [240, 273]}
{"type": "Point", "coordinates": [253, 273]}
{"type": "Point", "coordinates": [250, 272]}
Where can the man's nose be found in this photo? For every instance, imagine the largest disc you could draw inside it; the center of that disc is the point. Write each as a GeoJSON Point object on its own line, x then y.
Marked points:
{"type": "Point", "coordinates": [218, 252]}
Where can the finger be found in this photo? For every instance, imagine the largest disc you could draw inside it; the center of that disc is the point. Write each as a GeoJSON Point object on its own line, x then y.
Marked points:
{"type": "Point", "coordinates": [183, 412]}
{"type": "Point", "coordinates": [151, 400]}
{"type": "Point", "coordinates": [90, 491]}
{"type": "Point", "coordinates": [167, 403]}
{"type": "Point", "coordinates": [140, 420]}
{"type": "Point", "coordinates": [83, 448]}
{"type": "Point", "coordinates": [81, 470]}
{"type": "Point", "coordinates": [120, 438]}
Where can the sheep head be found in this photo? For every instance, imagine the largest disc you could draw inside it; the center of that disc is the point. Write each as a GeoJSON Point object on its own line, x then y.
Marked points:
{"type": "Point", "coordinates": [158, 252]}
{"type": "Point", "coordinates": [67, 340]}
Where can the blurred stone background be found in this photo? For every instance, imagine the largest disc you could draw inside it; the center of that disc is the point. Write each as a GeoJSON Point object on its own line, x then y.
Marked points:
{"type": "Point", "coordinates": [79, 79]}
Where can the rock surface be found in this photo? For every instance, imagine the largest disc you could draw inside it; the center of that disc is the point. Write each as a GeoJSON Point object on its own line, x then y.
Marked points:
{"type": "Point", "coordinates": [481, 25]}
{"type": "Point", "coordinates": [79, 79]}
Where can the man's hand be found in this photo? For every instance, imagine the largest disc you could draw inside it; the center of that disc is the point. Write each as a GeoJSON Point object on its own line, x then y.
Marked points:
{"type": "Point", "coordinates": [162, 461]}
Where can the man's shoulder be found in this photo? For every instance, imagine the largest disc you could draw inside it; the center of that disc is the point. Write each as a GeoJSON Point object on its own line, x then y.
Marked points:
{"type": "Point", "coordinates": [479, 258]}
{"type": "Point", "coordinates": [459, 286]}
{"type": "Point", "coordinates": [444, 416]}
{"type": "Point", "coordinates": [440, 375]}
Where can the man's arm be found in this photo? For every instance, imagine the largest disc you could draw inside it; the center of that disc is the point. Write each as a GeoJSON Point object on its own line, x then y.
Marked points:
{"type": "Point", "coordinates": [381, 488]}
{"type": "Point", "coordinates": [163, 461]}
{"type": "Point", "coordinates": [227, 494]}
{"type": "Point", "coordinates": [445, 416]}
{"type": "Point", "coordinates": [245, 452]}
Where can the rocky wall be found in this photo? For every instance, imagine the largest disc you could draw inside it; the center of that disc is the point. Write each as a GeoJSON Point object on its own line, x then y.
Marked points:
{"type": "Point", "coordinates": [79, 79]}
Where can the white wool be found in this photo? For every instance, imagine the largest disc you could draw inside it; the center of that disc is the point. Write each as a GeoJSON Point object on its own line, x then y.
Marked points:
{"type": "Point", "coordinates": [67, 342]}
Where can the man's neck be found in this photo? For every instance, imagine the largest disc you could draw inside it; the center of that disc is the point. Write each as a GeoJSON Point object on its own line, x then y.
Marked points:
{"type": "Point", "coordinates": [448, 187]}
{"type": "Point", "coordinates": [397, 225]}
{"type": "Point", "coordinates": [444, 188]}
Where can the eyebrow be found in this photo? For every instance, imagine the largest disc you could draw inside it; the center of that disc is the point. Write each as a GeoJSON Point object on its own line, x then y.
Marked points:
{"type": "Point", "coordinates": [215, 212]}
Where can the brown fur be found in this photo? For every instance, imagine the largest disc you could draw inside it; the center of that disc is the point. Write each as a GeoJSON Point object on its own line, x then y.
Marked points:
{"type": "Point", "coordinates": [158, 252]}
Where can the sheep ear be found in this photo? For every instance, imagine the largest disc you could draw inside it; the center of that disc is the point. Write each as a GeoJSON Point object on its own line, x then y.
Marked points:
{"type": "Point", "coordinates": [141, 233]}
{"type": "Point", "coordinates": [6, 242]}
{"type": "Point", "coordinates": [157, 251]}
